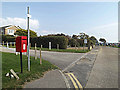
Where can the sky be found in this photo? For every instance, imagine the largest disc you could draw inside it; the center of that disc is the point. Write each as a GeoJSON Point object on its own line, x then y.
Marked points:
{"type": "Point", "coordinates": [99, 19]}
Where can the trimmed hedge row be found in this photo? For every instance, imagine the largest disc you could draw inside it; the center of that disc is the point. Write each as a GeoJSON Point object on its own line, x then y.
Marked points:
{"type": "Point", "coordinates": [43, 40]}
{"type": "Point", "coordinates": [8, 38]}
{"type": "Point", "coordinates": [61, 40]}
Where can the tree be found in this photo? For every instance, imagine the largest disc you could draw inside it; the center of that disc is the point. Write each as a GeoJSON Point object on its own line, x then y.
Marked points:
{"type": "Point", "coordinates": [23, 32]}
{"type": "Point", "coordinates": [73, 42]}
{"type": "Point", "coordinates": [75, 37]}
{"type": "Point", "coordinates": [102, 40]}
{"type": "Point", "coordinates": [94, 40]}
{"type": "Point", "coordinates": [83, 36]}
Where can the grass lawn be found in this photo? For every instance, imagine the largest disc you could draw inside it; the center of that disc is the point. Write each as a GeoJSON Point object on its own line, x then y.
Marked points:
{"type": "Point", "coordinates": [11, 61]}
{"type": "Point", "coordinates": [63, 50]}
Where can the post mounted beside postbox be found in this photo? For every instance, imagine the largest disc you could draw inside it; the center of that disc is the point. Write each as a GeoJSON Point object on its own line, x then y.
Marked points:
{"type": "Point", "coordinates": [21, 44]}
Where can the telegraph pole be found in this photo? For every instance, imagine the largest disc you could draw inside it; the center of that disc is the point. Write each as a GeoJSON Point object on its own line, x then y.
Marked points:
{"type": "Point", "coordinates": [28, 38]}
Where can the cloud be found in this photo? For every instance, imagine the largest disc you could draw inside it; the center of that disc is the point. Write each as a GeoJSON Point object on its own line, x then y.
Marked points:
{"type": "Point", "coordinates": [108, 31]}
{"type": "Point", "coordinates": [34, 24]}
{"type": "Point", "coordinates": [46, 32]}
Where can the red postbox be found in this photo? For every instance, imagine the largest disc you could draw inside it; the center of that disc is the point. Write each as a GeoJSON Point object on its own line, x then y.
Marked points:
{"type": "Point", "coordinates": [21, 44]}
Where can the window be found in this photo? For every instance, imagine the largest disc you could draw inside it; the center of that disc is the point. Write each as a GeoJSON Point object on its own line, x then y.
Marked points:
{"type": "Point", "coordinates": [10, 31]}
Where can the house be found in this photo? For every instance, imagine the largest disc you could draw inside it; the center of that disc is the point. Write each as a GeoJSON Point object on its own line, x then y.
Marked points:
{"type": "Point", "coordinates": [8, 30]}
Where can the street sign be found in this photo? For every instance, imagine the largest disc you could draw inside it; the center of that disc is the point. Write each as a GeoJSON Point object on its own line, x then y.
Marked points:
{"type": "Point", "coordinates": [85, 40]}
{"type": "Point", "coordinates": [28, 15]}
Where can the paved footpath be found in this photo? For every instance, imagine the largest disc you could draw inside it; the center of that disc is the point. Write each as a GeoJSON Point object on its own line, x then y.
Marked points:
{"type": "Point", "coordinates": [52, 79]}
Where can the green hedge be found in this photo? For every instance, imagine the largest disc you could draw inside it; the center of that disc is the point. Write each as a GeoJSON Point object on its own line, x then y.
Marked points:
{"type": "Point", "coordinates": [61, 40]}
{"type": "Point", "coordinates": [8, 38]}
{"type": "Point", "coordinates": [43, 40]}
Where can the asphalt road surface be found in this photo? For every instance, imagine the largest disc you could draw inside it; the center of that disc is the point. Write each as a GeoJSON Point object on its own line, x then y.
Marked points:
{"type": "Point", "coordinates": [96, 69]}
{"type": "Point", "coordinates": [61, 59]}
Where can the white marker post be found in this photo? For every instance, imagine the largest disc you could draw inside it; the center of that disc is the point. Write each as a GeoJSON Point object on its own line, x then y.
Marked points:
{"type": "Point", "coordinates": [14, 44]}
{"type": "Point", "coordinates": [57, 46]}
{"type": "Point", "coordinates": [35, 52]}
{"type": "Point", "coordinates": [41, 46]}
{"type": "Point", "coordinates": [11, 70]}
{"type": "Point", "coordinates": [7, 45]}
{"type": "Point", "coordinates": [49, 45]}
{"type": "Point", "coordinates": [3, 43]}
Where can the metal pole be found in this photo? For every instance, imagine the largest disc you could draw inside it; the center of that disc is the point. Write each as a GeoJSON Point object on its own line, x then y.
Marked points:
{"type": "Point", "coordinates": [28, 40]}
{"type": "Point", "coordinates": [83, 44]}
{"type": "Point", "coordinates": [21, 62]}
{"type": "Point", "coordinates": [40, 56]}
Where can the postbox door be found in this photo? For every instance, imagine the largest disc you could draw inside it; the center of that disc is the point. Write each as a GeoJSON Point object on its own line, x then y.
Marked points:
{"type": "Point", "coordinates": [24, 46]}
{"type": "Point", "coordinates": [18, 44]}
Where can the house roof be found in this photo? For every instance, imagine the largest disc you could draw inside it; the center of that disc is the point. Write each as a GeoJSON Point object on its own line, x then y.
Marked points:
{"type": "Point", "coordinates": [10, 26]}
{"type": "Point", "coordinates": [5, 26]}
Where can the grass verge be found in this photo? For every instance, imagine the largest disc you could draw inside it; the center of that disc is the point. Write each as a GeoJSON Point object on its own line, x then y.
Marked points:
{"type": "Point", "coordinates": [11, 61]}
{"type": "Point", "coordinates": [62, 50]}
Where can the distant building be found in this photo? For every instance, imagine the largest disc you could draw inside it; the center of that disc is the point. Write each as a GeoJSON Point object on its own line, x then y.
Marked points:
{"type": "Point", "coordinates": [8, 30]}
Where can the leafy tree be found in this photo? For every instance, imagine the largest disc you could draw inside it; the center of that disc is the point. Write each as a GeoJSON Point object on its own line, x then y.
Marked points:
{"type": "Point", "coordinates": [74, 36]}
{"type": "Point", "coordinates": [73, 42]}
{"type": "Point", "coordinates": [83, 36]}
{"type": "Point", "coordinates": [56, 34]}
{"type": "Point", "coordinates": [102, 40]}
{"type": "Point", "coordinates": [80, 41]}
{"type": "Point", "coordinates": [94, 40]}
{"type": "Point", "coordinates": [67, 36]}
{"type": "Point", "coordinates": [23, 32]}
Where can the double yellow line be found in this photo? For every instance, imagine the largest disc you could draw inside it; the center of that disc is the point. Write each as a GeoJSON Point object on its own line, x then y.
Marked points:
{"type": "Point", "coordinates": [75, 82]}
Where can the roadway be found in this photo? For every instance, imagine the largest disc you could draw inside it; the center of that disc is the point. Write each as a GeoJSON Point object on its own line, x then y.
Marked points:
{"type": "Point", "coordinates": [95, 69]}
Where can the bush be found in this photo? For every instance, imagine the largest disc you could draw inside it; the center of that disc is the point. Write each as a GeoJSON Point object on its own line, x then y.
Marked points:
{"type": "Point", "coordinates": [8, 38]}
{"type": "Point", "coordinates": [61, 40]}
